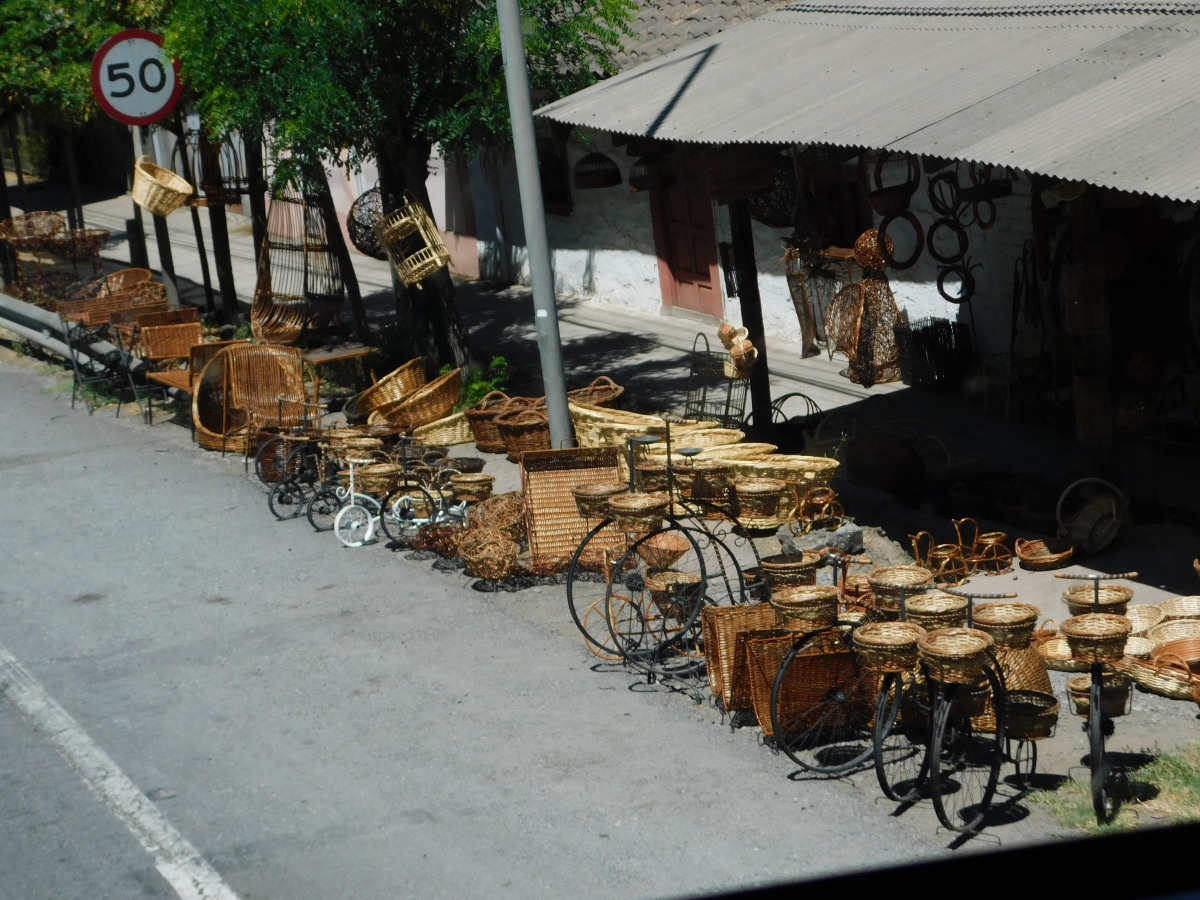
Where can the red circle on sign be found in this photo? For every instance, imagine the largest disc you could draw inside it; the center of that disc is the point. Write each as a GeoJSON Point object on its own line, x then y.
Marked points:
{"type": "Point", "coordinates": [103, 101]}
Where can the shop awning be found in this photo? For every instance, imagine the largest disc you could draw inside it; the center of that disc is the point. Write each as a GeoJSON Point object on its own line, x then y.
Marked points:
{"type": "Point", "coordinates": [1107, 93]}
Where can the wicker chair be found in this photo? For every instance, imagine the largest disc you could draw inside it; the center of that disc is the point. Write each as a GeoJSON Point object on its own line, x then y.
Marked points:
{"type": "Point", "coordinates": [392, 388]}
{"type": "Point", "coordinates": [120, 281]}
{"type": "Point", "coordinates": [160, 346]}
{"type": "Point", "coordinates": [128, 323]}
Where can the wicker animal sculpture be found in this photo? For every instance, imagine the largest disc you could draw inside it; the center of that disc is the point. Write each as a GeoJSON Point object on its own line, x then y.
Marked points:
{"type": "Point", "coordinates": [300, 289]}
{"type": "Point", "coordinates": [863, 316]}
{"type": "Point", "coordinates": [814, 279]}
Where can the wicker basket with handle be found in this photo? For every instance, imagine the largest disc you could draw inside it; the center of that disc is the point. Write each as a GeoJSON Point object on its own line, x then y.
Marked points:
{"type": "Point", "coordinates": [523, 429]}
{"type": "Point", "coordinates": [955, 655]}
{"type": "Point", "coordinates": [1038, 557]}
{"type": "Point", "coordinates": [393, 388]}
{"type": "Point", "coordinates": [602, 392]}
{"type": "Point", "coordinates": [1168, 677]}
{"type": "Point", "coordinates": [1181, 608]}
{"type": "Point", "coordinates": [482, 417]}
{"type": "Point", "coordinates": [157, 190]}
{"type": "Point", "coordinates": [1096, 637]}
{"type": "Point", "coordinates": [429, 403]}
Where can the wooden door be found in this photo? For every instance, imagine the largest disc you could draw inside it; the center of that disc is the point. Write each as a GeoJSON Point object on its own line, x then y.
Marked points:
{"type": "Point", "coordinates": [685, 239]}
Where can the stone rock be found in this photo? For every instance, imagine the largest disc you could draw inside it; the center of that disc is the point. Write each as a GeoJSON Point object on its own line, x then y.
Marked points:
{"type": "Point", "coordinates": [848, 538]}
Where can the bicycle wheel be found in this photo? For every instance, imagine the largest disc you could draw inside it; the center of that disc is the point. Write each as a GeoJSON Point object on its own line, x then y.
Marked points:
{"type": "Point", "coordinates": [587, 586]}
{"type": "Point", "coordinates": [287, 499]}
{"type": "Point", "coordinates": [268, 466]}
{"type": "Point", "coordinates": [354, 525]}
{"type": "Point", "coordinates": [653, 612]}
{"type": "Point", "coordinates": [965, 763]}
{"type": "Point", "coordinates": [900, 737]}
{"type": "Point", "coordinates": [822, 703]}
{"type": "Point", "coordinates": [1024, 760]}
{"type": "Point", "coordinates": [405, 510]}
{"type": "Point", "coordinates": [323, 508]}
{"type": "Point", "coordinates": [1096, 760]}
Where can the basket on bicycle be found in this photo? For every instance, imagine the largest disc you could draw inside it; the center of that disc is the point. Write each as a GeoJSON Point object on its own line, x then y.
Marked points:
{"type": "Point", "coordinates": [1030, 715]}
{"type": "Point", "coordinates": [724, 629]}
{"type": "Point", "coordinates": [488, 553]}
{"type": "Point", "coordinates": [758, 498]}
{"type": "Point", "coordinates": [675, 594]}
{"type": "Point", "coordinates": [972, 701]}
{"type": "Point", "coordinates": [1181, 608]}
{"type": "Point", "coordinates": [935, 609]}
{"type": "Point", "coordinates": [956, 655]}
{"type": "Point", "coordinates": [652, 475]}
{"type": "Point", "coordinates": [1096, 637]}
{"type": "Point", "coordinates": [1143, 617]}
{"type": "Point", "coordinates": [663, 550]}
{"type": "Point", "coordinates": [592, 499]}
{"type": "Point", "coordinates": [473, 487]}
{"type": "Point", "coordinates": [790, 569]}
{"type": "Point", "coordinates": [1116, 694]}
{"type": "Point", "coordinates": [889, 646]}
{"type": "Point", "coordinates": [637, 512]}
{"type": "Point", "coordinates": [1010, 624]}
{"type": "Point", "coordinates": [378, 478]}
{"type": "Point", "coordinates": [887, 583]}
{"type": "Point", "coordinates": [1114, 599]}
{"type": "Point", "coordinates": [805, 608]}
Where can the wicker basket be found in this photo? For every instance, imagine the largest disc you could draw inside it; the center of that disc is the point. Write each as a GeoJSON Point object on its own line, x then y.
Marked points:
{"type": "Point", "coordinates": [724, 629]}
{"type": "Point", "coordinates": [1048, 630]}
{"type": "Point", "coordinates": [504, 512]}
{"type": "Point", "coordinates": [934, 609]}
{"type": "Point", "coordinates": [428, 403]}
{"type": "Point", "coordinates": [758, 498]}
{"type": "Point", "coordinates": [473, 487]}
{"type": "Point", "coordinates": [955, 655]}
{"type": "Point", "coordinates": [464, 465]}
{"type": "Point", "coordinates": [592, 499]}
{"type": "Point", "coordinates": [674, 594]}
{"type": "Point", "coordinates": [1081, 599]}
{"type": "Point", "coordinates": [602, 392]}
{"type": "Point", "coordinates": [973, 701]}
{"type": "Point", "coordinates": [1096, 637]}
{"type": "Point", "coordinates": [392, 388]}
{"type": "Point", "coordinates": [482, 418]}
{"type": "Point", "coordinates": [801, 472]}
{"type": "Point", "coordinates": [1010, 624]}
{"type": "Point", "coordinates": [652, 476]}
{"type": "Point", "coordinates": [1185, 649]}
{"type": "Point", "coordinates": [454, 429]}
{"type": "Point", "coordinates": [889, 646]}
{"type": "Point", "coordinates": [1143, 617]}
{"type": "Point", "coordinates": [663, 550]}
{"type": "Point", "coordinates": [1056, 654]}
{"type": "Point", "coordinates": [157, 190]}
{"type": "Point", "coordinates": [786, 570]}
{"type": "Point", "coordinates": [1180, 608]}
{"type": "Point", "coordinates": [488, 553]}
{"type": "Point", "coordinates": [524, 429]}
{"type": "Point", "coordinates": [1116, 694]}
{"type": "Point", "coordinates": [1095, 526]}
{"type": "Point", "coordinates": [1038, 557]}
{"type": "Point", "coordinates": [1168, 677]}
{"type": "Point", "coordinates": [807, 608]}
{"type": "Point", "coordinates": [1173, 630]}
{"type": "Point", "coordinates": [1030, 715]}
{"type": "Point", "coordinates": [638, 513]}
{"type": "Point", "coordinates": [886, 584]}
{"type": "Point", "coordinates": [1139, 646]}
{"type": "Point", "coordinates": [728, 333]}
{"type": "Point", "coordinates": [377, 478]}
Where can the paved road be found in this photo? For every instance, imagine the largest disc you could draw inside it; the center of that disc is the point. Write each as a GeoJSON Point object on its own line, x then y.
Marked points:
{"type": "Point", "coordinates": [324, 722]}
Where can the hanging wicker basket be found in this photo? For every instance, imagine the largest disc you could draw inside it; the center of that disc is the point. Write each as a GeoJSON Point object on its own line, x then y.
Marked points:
{"type": "Point", "coordinates": [413, 243]}
{"type": "Point", "coordinates": [157, 190]}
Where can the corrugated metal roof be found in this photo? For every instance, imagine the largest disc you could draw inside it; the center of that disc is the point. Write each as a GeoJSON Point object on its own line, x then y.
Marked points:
{"type": "Point", "coordinates": [1105, 93]}
{"type": "Point", "coordinates": [665, 25]}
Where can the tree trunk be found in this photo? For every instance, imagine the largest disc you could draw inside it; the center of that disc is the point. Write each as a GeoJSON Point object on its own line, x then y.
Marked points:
{"type": "Point", "coordinates": [431, 307]}
{"type": "Point", "coordinates": [73, 175]}
{"type": "Point", "coordinates": [15, 139]}
{"type": "Point", "coordinates": [8, 260]}
{"type": "Point", "coordinates": [210, 161]}
{"type": "Point", "coordinates": [337, 244]}
{"type": "Point", "coordinates": [253, 142]}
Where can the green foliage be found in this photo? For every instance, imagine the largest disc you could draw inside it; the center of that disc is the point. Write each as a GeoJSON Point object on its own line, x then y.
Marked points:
{"type": "Point", "coordinates": [480, 384]}
{"type": "Point", "coordinates": [243, 332]}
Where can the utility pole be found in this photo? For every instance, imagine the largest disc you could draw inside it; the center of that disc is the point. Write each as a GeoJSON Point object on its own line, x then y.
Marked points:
{"type": "Point", "coordinates": [520, 107]}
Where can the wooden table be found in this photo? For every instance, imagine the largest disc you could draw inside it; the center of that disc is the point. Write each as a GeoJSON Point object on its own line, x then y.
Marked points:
{"type": "Point", "coordinates": [332, 353]}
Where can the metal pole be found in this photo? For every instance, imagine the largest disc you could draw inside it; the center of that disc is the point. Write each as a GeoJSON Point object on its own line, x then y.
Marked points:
{"type": "Point", "coordinates": [512, 45]}
{"type": "Point", "coordinates": [166, 261]}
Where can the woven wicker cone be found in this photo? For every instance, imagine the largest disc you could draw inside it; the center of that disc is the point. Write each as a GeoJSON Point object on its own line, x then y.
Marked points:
{"type": "Point", "coordinates": [602, 392]}
{"type": "Point", "coordinates": [1168, 678]}
{"type": "Point", "coordinates": [454, 429]}
{"type": "Point", "coordinates": [475, 487]}
{"type": "Point", "coordinates": [889, 646]}
{"type": "Point", "coordinates": [790, 569]}
{"type": "Point", "coordinates": [934, 609]}
{"type": "Point", "coordinates": [1081, 599]}
{"type": "Point", "coordinates": [1056, 654]}
{"type": "Point", "coordinates": [523, 430]}
{"type": "Point", "coordinates": [955, 654]}
{"type": "Point", "coordinates": [884, 584]}
{"type": "Point", "coordinates": [1030, 715]}
{"type": "Point", "coordinates": [488, 553]}
{"type": "Point", "coordinates": [805, 608]}
{"type": "Point", "coordinates": [1010, 624]}
{"type": "Point", "coordinates": [393, 387]}
{"type": "Point", "coordinates": [661, 551]}
{"type": "Point", "coordinates": [1180, 608]}
{"type": "Point", "coordinates": [1173, 630]}
{"type": "Point", "coordinates": [758, 497]}
{"type": "Point", "coordinates": [722, 627]}
{"type": "Point", "coordinates": [482, 417]}
{"type": "Point", "coordinates": [1143, 617]}
{"type": "Point", "coordinates": [1096, 637]}
{"type": "Point", "coordinates": [1139, 646]}
{"type": "Point", "coordinates": [1114, 694]}
{"type": "Point", "coordinates": [1037, 556]}
{"type": "Point", "coordinates": [592, 499]}
{"type": "Point", "coordinates": [157, 190]}
{"type": "Point", "coordinates": [637, 512]}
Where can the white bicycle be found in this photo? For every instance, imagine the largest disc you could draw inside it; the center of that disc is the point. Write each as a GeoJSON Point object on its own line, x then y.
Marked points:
{"type": "Point", "coordinates": [356, 522]}
{"type": "Point", "coordinates": [400, 516]}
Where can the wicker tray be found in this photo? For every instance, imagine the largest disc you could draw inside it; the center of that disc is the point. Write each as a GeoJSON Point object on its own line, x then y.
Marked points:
{"type": "Point", "coordinates": [1143, 617]}
{"type": "Point", "coordinates": [1056, 653]}
{"type": "Point", "coordinates": [1181, 608]}
{"type": "Point", "coordinates": [554, 523]}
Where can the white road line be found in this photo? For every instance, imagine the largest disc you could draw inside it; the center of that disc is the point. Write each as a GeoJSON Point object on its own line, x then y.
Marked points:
{"type": "Point", "coordinates": [174, 856]}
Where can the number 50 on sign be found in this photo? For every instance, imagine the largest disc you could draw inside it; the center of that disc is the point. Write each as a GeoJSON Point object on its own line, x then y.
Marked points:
{"type": "Point", "coordinates": [132, 79]}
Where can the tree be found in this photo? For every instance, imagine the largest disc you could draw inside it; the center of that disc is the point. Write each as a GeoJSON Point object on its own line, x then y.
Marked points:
{"type": "Point", "coordinates": [338, 81]}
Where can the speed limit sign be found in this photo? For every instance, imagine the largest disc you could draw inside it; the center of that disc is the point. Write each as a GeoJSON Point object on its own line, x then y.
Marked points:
{"type": "Point", "coordinates": [133, 80]}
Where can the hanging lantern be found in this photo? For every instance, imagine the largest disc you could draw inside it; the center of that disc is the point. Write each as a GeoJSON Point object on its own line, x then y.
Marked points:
{"type": "Point", "coordinates": [596, 171]}
{"type": "Point", "coordinates": [365, 214]}
{"type": "Point", "coordinates": [650, 172]}
{"type": "Point", "coordinates": [412, 242]}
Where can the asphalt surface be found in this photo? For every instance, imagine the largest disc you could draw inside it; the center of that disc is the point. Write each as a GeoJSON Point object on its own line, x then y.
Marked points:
{"type": "Point", "coordinates": [326, 722]}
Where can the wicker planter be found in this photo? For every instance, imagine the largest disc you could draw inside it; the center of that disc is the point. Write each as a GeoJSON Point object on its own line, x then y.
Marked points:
{"type": "Point", "coordinates": [889, 646]}
{"type": "Point", "coordinates": [1056, 654]}
{"type": "Point", "coordinates": [472, 487]}
{"type": "Point", "coordinates": [1030, 715]}
{"type": "Point", "coordinates": [807, 608]}
{"type": "Point", "coordinates": [638, 513]}
{"type": "Point", "coordinates": [482, 418]}
{"type": "Point", "coordinates": [1114, 598]}
{"type": "Point", "coordinates": [886, 584]}
{"type": "Point", "coordinates": [758, 498]}
{"type": "Point", "coordinates": [592, 499]}
{"type": "Point", "coordinates": [955, 655]}
{"type": "Point", "coordinates": [652, 476]}
{"type": "Point", "coordinates": [1115, 694]}
{"type": "Point", "coordinates": [663, 550]}
{"type": "Point", "coordinates": [786, 570]}
{"type": "Point", "coordinates": [934, 609]}
{"type": "Point", "coordinates": [1096, 637]}
{"type": "Point", "coordinates": [1010, 624]}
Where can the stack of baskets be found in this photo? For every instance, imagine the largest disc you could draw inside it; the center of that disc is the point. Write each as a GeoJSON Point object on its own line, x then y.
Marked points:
{"type": "Point", "coordinates": [428, 403]}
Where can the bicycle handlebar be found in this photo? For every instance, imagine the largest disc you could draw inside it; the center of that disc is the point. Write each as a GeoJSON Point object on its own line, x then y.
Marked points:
{"type": "Point", "coordinates": [1008, 596]}
{"type": "Point", "coordinates": [1094, 577]}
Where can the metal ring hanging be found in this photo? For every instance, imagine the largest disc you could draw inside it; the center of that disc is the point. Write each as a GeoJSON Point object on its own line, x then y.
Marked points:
{"type": "Point", "coordinates": [959, 232]}
{"type": "Point", "coordinates": [886, 246]}
{"type": "Point", "coordinates": [944, 205]}
{"type": "Point", "coordinates": [967, 288]}
{"type": "Point", "coordinates": [984, 224]}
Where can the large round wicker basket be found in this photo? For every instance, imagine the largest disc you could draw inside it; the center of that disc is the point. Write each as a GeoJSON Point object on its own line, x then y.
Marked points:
{"type": "Point", "coordinates": [1010, 624]}
{"type": "Point", "coordinates": [1096, 637]}
{"type": "Point", "coordinates": [806, 608]}
{"type": "Point", "coordinates": [887, 583]}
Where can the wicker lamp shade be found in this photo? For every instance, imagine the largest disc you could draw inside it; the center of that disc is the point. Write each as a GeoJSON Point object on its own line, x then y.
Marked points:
{"type": "Point", "coordinates": [362, 221]}
{"type": "Point", "coordinates": [651, 172]}
{"type": "Point", "coordinates": [300, 288]}
{"type": "Point", "coordinates": [596, 171]}
{"type": "Point", "coordinates": [412, 242]}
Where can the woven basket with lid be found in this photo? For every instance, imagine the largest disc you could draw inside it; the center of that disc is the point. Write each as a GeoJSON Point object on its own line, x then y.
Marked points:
{"type": "Point", "coordinates": [955, 655]}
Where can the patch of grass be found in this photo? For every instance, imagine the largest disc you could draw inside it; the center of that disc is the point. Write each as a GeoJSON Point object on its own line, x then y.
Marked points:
{"type": "Point", "coordinates": [1165, 790]}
